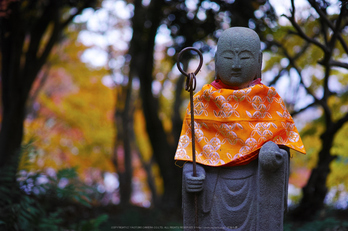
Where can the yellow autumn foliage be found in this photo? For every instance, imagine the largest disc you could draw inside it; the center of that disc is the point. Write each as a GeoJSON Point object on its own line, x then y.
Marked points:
{"type": "Point", "coordinates": [73, 122]}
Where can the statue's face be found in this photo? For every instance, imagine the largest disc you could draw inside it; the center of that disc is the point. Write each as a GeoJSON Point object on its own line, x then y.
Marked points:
{"type": "Point", "coordinates": [238, 57]}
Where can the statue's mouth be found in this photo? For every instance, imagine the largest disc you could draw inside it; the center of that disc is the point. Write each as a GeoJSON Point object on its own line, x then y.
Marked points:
{"type": "Point", "coordinates": [236, 74]}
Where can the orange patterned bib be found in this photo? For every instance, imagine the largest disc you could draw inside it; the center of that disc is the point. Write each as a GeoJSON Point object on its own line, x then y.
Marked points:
{"type": "Point", "coordinates": [232, 125]}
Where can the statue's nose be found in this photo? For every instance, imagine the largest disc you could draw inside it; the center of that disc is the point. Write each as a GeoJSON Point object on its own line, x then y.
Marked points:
{"type": "Point", "coordinates": [236, 64]}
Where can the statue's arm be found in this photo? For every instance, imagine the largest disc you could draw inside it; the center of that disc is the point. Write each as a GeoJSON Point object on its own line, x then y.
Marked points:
{"type": "Point", "coordinates": [193, 183]}
{"type": "Point", "coordinates": [275, 159]}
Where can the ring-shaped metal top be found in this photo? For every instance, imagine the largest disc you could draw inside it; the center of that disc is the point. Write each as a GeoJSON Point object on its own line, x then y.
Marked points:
{"type": "Point", "coordinates": [200, 60]}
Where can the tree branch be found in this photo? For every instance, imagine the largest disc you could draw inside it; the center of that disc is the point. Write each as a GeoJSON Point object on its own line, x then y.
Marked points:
{"type": "Point", "coordinates": [335, 63]}
{"type": "Point", "coordinates": [293, 64]}
{"type": "Point", "coordinates": [300, 31]}
{"type": "Point", "coordinates": [32, 98]}
{"type": "Point", "coordinates": [303, 35]}
{"type": "Point", "coordinates": [303, 109]}
{"type": "Point", "coordinates": [36, 33]}
{"type": "Point", "coordinates": [330, 24]}
{"type": "Point", "coordinates": [296, 56]}
{"type": "Point", "coordinates": [79, 11]}
{"type": "Point", "coordinates": [338, 124]}
{"type": "Point", "coordinates": [58, 28]}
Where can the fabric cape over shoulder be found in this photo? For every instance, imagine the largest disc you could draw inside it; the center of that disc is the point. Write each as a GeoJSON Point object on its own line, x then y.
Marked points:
{"type": "Point", "coordinates": [232, 125]}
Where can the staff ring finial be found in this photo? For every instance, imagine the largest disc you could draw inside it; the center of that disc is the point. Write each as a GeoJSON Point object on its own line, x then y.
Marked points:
{"type": "Point", "coordinates": [200, 60]}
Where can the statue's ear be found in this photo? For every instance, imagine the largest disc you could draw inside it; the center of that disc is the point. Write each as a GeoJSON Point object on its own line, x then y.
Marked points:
{"type": "Point", "coordinates": [260, 65]}
{"type": "Point", "coordinates": [215, 60]}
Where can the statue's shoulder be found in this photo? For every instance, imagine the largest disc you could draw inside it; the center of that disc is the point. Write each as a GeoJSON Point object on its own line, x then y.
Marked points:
{"type": "Point", "coordinates": [264, 90]}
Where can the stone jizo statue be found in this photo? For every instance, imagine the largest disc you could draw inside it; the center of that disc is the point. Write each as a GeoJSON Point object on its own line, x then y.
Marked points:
{"type": "Point", "coordinates": [243, 133]}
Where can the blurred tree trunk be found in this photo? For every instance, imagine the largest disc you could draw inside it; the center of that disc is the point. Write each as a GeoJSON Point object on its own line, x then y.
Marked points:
{"type": "Point", "coordinates": [314, 192]}
{"type": "Point", "coordinates": [13, 91]}
{"type": "Point", "coordinates": [146, 21]}
{"type": "Point", "coordinates": [123, 120]}
{"type": "Point", "coordinates": [176, 118]}
{"type": "Point", "coordinates": [24, 51]}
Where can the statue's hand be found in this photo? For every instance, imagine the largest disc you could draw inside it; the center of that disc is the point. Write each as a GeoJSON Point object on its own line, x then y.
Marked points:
{"type": "Point", "coordinates": [194, 183]}
{"type": "Point", "coordinates": [271, 157]}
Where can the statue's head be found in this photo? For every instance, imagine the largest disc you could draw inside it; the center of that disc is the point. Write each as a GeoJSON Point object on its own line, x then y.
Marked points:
{"type": "Point", "coordinates": [238, 58]}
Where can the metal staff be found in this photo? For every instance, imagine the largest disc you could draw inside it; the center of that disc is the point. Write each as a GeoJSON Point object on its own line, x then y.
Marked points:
{"type": "Point", "coordinates": [191, 86]}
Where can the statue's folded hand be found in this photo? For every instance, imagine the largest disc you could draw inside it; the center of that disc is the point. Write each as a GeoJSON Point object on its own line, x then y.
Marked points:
{"type": "Point", "coordinates": [271, 157]}
{"type": "Point", "coordinates": [194, 183]}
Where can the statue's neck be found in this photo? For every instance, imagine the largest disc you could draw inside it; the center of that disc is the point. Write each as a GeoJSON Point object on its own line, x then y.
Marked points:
{"type": "Point", "coordinates": [218, 84]}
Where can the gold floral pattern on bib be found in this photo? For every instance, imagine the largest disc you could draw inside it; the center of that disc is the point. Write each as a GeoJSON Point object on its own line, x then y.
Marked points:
{"type": "Point", "coordinates": [232, 125]}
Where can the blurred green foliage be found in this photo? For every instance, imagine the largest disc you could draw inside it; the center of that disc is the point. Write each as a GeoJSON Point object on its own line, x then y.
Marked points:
{"type": "Point", "coordinates": [25, 202]}
{"type": "Point", "coordinates": [328, 224]}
